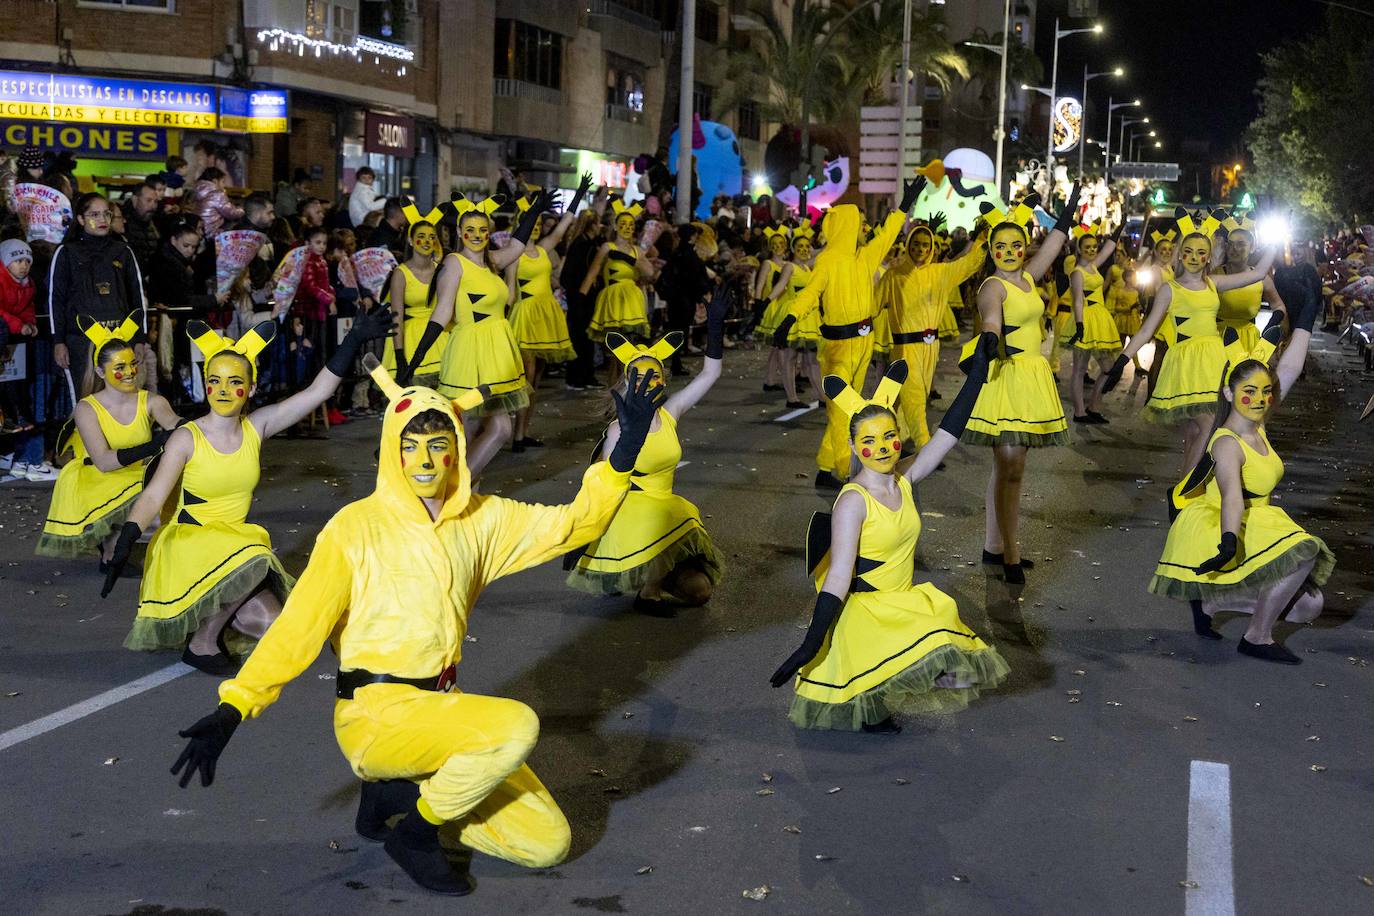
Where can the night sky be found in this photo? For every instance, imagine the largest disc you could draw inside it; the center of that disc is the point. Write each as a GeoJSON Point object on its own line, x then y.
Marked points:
{"type": "Point", "coordinates": [1192, 63]}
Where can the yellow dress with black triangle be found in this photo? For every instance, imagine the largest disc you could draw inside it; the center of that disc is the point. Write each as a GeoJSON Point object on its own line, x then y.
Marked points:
{"type": "Point", "coordinates": [774, 312]}
{"type": "Point", "coordinates": [1271, 545]}
{"type": "Point", "coordinates": [893, 638]}
{"type": "Point", "coordinates": [653, 531]}
{"type": "Point", "coordinates": [88, 504]}
{"type": "Point", "coordinates": [540, 327]}
{"type": "Point", "coordinates": [1165, 331]}
{"type": "Point", "coordinates": [207, 556]}
{"type": "Point", "coordinates": [1019, 404]}
{"type": "Point", "coordinates": [620, 306]}
{"type": "Point", "coordinates": [806, 332]}
{"type": "Point", "coordinates": [481, 345]}
{"type": "Point", "coordinates": [1124, 302]}
{"type": "Point", "coordinates": [418, 308]}
{"type": "Point", "coordinates": [1100, 337]}
{"type": "Point", "coordinates": [1191, 372]}
{"type": "Point", "coordinates": [1238, 308]}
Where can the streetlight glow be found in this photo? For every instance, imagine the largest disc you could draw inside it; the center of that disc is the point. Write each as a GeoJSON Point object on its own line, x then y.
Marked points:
{"type": "Point", "coordinates": [1097, 29]}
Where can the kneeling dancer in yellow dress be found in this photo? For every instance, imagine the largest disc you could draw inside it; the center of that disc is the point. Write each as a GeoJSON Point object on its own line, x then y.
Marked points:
{"type": "Point", "coordinates": [391, 582]}
{"type": "Point", "coordinates": [110, 436]}
{"type": "Point", "coordinates": [878, 644]}
{"type": "Point", "coordinates": [1265, 564]}
{"type": "Point", "coordinates": [657, 546]}
{"type": "Point", "coordinates": [208, 569]}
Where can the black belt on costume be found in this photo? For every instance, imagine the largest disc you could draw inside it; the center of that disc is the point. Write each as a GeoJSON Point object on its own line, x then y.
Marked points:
{"type": "Point", "coordinates": [349, 681]}
{"type": "Point", "coordinates": [1064, 309]}
{"type": "Point", "coordinates": [911, 337]}
{"type": "Point", "coordinates": [847, 331]}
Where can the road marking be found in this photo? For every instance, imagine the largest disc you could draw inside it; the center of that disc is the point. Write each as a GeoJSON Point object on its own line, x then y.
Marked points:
{"type": "Point", "coordinates": [96, 703]}
{"type": "Point", "coordinates": [793, 414]}
{"type": "Point", "coordinates": [683, 464]}
{"type": "Point", "coordinates": [1209, 841]}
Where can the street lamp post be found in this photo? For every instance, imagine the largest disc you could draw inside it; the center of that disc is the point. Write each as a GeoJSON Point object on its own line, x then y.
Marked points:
{"type": "Point", "coordinates": [1127, 122]}
{"type": "Point", "coordinates": [1083, 125]}
{"type": "Point", "coordinates": [1111, 107]}
{"type": "Point", "coordinates": [1141, 135]}
{"type": "Point", "coordinates": [1000, 133]}
{"type": "Point", "coordinates": [1054, 88]}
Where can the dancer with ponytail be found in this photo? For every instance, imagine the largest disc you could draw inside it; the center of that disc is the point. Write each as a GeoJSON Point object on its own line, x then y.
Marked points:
{"type": "Point", "coordinates": [1095, 335]}
{"type": "Point", "coordinates": [408, 292]}
{"type": "Point", "coordinates": [781, 360]}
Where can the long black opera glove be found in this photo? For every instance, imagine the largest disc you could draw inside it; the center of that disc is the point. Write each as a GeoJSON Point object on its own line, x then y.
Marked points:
{"type": "Point", "coordinates": [208, 739]}
{"type": "Point", "coordinates": [784, 328]}
{"type": "Point", "coordinates": [910, 191]}
{"type": "Point", "coordinates": [380, 322]}
{"type": "Point", "coordinates": [1077, 333]}
{"type": "Point", "coordinates": [961, 408]}
{"type": "Point", "coordinates": [827, 611]}
{"type": "Point", "coordinates": [1068, 217]}
{"type": "Point", "coordinates": [635, 413]}
{"type": "Point", "coordinates": [542, 203]}
{"type": "Point", "coordinates": [1302, 315]}
{"type": "Point", "coordinates": [582, 188]}
{"type": "Point", "coordinates": [127, 456]}
{"type": "Point", "coordinates": [128, 536]}
{"type": "Point", "coordinates": [427, 339]}
{"type": "Point", "coordinates": [1114, 373]}
{"type": "Point", "coordinates": [715, 322]}
{"type": "Point", "coordinates": [1225, 551]}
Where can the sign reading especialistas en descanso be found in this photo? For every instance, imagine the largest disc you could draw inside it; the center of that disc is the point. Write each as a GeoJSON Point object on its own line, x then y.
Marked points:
{"type": "Point", "coordinates": [103, 100]}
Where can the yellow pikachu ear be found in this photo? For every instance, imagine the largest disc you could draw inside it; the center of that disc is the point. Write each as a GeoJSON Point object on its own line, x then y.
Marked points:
{"type": "Point", "coordinates": [255, 341]}
{"type": "Point", "coordinates": [991, 215]}
{"type": "Point", "coordinates": [891, 385]}
{"type": "Point", "coordinates": [624, 351]}
{"type": "Point", "coordinates": [412, 213]}
{"type": "Point", "coordinates": [383, 379]}
{"type": "Point", "coordinates": [130, 326]}
{"type": "Point", "coordinates": [471, 398]}
{"type": "Point", "coordinates": [205, 338]}
{"type": "Point", "coordinates": [842, 396]}
{"type": "Point", "coordinates": [95, 332]}
{"type": "Point", "coordinates": [667, 345]}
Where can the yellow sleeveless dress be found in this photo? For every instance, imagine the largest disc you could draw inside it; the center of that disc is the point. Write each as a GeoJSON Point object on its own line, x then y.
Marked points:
{"type": "Point", "coordinates": [620, 306]}
{"type": "Point", "coordinates": [893, 638]}
{"type": "Point", "coordinates": [1271, 545]}
{"type": "Point", "coordinates": [1124, 302]}
{"type": "Point", "coordinates": [1191, 372]}
{"type": "Point", "coordinates": [1165, 331]}
{"type": "Point", "coordinates": [1238, 309]}
{"type": "Point", "coordinates": [948, 327]}
{"type": "Point", "coordinates": [654, 529]}
{"type": "Point", "coordinates": [481, 345]}
{"type": "Point", "coordinates": [207, 556]}
{"type": "Point", "coordinates": [418, 310]}
{"type": "Point", "coordinates": [806, 332]}
{"type": "Point", "coordinates": [537, 320]}
{"type": "Point", "coordinates": [1100, 336]}
{"type": "Point", "coordinates": [88, 504]}
{"type": "Point", "coordinates": [774, 312]}
{"type": "Point", "coordinates": [1019, 404]}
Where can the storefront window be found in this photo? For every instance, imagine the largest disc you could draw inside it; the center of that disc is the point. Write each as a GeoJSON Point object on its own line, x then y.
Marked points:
{"type": "Point", "coordinates": [394, 173]}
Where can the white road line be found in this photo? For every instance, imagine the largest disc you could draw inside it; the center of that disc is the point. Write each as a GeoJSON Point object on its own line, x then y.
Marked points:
{"type": "Point", "coordinates": [1209, 841]}
{"type": "Point", "coordinates": [683, 464]}
{"type": "Point", "coordinates": [96, 703]}
{"type": "Point", "coordinates": [793, 414]}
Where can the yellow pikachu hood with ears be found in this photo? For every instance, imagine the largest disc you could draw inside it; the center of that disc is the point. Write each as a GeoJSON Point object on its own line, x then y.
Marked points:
{"type": "Point", "coordinates": [404, 405]}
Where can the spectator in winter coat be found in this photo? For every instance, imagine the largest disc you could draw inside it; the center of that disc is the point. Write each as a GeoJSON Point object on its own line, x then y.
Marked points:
{"type": "Point", "coordinates": [140, 231]}
{"type": "Point", "coordinates": [365, 198]}
{"type": "Point", "coordinates": [16, 289]}
{"type": "Point", "coordinates": [291, 196]}
{"type": "Point", "coordinates": [210, 202]}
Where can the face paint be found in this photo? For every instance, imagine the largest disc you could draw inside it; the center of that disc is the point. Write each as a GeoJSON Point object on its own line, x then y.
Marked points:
{"type": "Point", "coordinates": [537, 231]}
{"type": "Point", "coordinates": [1196, 253]}
{"type": "Point", "coordinates": [1009, 250]}
{"type": "Point", "coordinates": [643, 365]}
{"type": "Point", "coordinates": [802, 248]}
{"type": "Point", "coordinates": [877, 443]}
{"type": "Point", "coordinates": [121, 372]}
{"type": "Point", "coordinates": [1238, 247]}
{"type": "Point", "coordinates": [1088, 247]}
{"type": "Point", "coordinates": [1165, 252]}
{"type": "Point", "coordinates": [625, 227]}
{"type": "Point", "coordinates": [476, 233]}
{"type": "Point", "coordinates": [777, 245]}
{"type": "Point", "coordinates": [427, 460]}
{"type": "Point", "coordinates": [227, 385]}
{"type": "Point", "coordinates": [1254, 395]}
{"type": "Point", "coordinates": [423, 240]}
{"type": "Point", "coordinates": [919, 248]}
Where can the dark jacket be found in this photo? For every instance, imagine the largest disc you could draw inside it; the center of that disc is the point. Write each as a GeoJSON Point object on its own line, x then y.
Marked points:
{"type": "Point", "coordinates": [172, 281]}
{"type": "Point", "coordinates": [142, 236]}
{"type": "Point", "coordinates": [96, 276]}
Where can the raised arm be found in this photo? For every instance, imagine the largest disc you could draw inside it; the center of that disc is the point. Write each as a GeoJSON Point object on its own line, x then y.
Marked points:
{"type": "Point", "coordinates": [1255, 274]}
{"type": "Point", "coordinates": [956, 418]}
{"type": "Point", "coordinates": [520, 238]}
{"type": "Point", "coordinates": [550, 242]}
{"type": "Point", "coordinates": [1054, 242]}
{"type": "Point", "coordinates": [685, 399]}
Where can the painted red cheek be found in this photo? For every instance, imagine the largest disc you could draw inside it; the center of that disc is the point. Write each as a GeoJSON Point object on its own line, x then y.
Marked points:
{"type": "Point", "coordinates": [238, 392]}
{"type": "Point", "coordinates": [448, 459]}
{"type": "Point", "coordinates": [868, 453]}
{"type": "Point", "coordinates": [402, 405]}
{"type": "Point", "coordinates": [1245, 400]}
{"type": "Point", "coordinates": [897, 448]}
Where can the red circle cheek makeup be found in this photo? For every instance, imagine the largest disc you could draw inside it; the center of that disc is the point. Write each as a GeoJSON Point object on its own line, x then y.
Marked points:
{"type": "Point", "coordinates": [867, 453]}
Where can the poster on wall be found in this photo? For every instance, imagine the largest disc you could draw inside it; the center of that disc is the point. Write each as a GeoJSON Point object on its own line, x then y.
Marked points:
{"type": "Point", "coordinates": [43, 211]}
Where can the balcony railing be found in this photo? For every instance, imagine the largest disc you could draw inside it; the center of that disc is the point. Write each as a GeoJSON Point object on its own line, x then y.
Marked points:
{"type": "Point", "coordinates": [519, 89]}
{"type": "Point", "coordinates": [623, 113]}
{"type": "Point", "coordinates": [615, 10]}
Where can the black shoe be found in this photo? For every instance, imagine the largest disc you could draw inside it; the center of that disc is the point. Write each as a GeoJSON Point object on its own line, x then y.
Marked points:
{"type": "Point", "coordinates": [531, 442]}
{"type": "Point", "coordinates": [380, 802]}
{"type": "Point", "coordinates": [1202, 622]}
{"type": "Point", "coordinates": [1014, 574]}
{"type": "Point", "coordinates": [772, 388]}
{"type": "Point", "coordinates": [221, 664]}
{"type": "Point", "coordinates": [886, 727]}
{"type": "Point", "coordinates": [997, 559]}
{"type": "Point", "coordinates": [1085, 420]}
{"type": "Point", "coordinates": [797, 404]}
{"type": "Point", "coordinates": [1095, 417]}
{"type": "Point", "coordinates": [518, 446]}
{"type": "Point", "coordinates": [414, 845]}
{"type": "Point", "coordinates": [1273, 652]}
{"type": "Point", "coordinates": [827, 481]}
{"type": "Point", "coordinates": [653, 608]}
{"type": "Point", "coordinates": [933, 396]}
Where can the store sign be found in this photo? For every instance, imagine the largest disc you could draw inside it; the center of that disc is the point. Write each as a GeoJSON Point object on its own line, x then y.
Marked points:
{"type": "Point", "coordinates": [98, 100]}
{"type": "Point", "coordinates": [94, 140]}
{"type": "Point", "coordinates": [610, 173]}
{"type": "Point", "coordinates": [254, 111]}
{"type": "Point", "coordinates": [389, 135]}
{"type": "Point", "coordinates": [1068, 123]}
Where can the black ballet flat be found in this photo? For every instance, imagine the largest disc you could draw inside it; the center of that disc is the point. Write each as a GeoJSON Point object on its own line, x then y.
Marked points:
{"type": "Point", "coordinates": [1095, 417]}
{"type": "Point", "coordinates": [997, 559]}
{"type": "Point", "coordinates": [771, 388]}
{"type": "Point", "coordinates": [1273, 652]}
{"type": "Point", "coordinates": [934, 395]}
{"type": "Point", "coordinates": [1015, 574]}
{"type": "Point", "coordinates": [531, 442]}
{"type": "Point", "coordinates": [221, 664]}
{"type": "Point", "coordinates": [654, 608]}
{"type": "Point", "coordinates": [797, 404]}
{"type": "Point", "coordinates": [1202, 622]}
{"type": "Point", "coordinates": [886, 727]}
{"type": "Point", "coordinates": [518, 447]}
{"type": "Point", "coordinates": [1085, 420]}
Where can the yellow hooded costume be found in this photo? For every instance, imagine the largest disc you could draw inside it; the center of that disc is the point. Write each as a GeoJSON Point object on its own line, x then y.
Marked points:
{"type": "Point", "coordinates": [843, 277]}
{"type": "Point", "coordinates": [391, 590]}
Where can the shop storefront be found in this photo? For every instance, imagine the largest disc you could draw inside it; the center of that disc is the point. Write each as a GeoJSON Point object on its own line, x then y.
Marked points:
{"type": "Point", "coordinates": [385, 142]}
{"type": "Point", "coordinates": [609, 171]}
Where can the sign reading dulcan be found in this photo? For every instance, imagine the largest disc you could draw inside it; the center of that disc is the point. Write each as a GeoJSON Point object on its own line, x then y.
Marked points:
{"type": "Point", "coordinates": [254, 111]}
{"type": "Point", "coordinates": [389, 135]}
{"type": "Point", "coordinates": [99, 100]}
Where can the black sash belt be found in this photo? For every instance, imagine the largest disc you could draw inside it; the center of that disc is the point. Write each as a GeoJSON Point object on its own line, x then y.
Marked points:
{"type": "Point", "coordinates": [916, 336]}
{"type": "Point", "coordinates": [847, 331]}
{"type": "Point", "coordinates": [349, 681]}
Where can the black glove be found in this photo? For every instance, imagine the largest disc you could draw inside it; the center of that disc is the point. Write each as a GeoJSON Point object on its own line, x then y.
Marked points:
{"type": "Point", "coordinates": [1077, 333]}
{"type": "Point", "coordinates": [1225, 551]}
{"type": "Point", "coordinates": [910, 191]}
{"type": "Point", "coordinates": [1114, 373]}
{"type": "Point", "coordinates": [427, 339]}
{"type": "Point", "coordinates": [635, 411]}
{"type": "Point", "coordinates": [531, 216]}
{"type": "Point", "coordinates": [1116, 236]}
{"type": "Point", "coordinates": [1303, 313]}
{"type": "Point", "coordinates": [935, 220]}
{"type": "Point", "coordinates": [380, 322]}
{"type": "Point", "coordinates": [128, 536]}
{"type": "Point", "coordinates": [827, 611]}
{"type": "Point", "coordinates": [961, 408]}
{"type": "Point", "coordinates": [1068, 217]}
{"type": "Point", "coordinates": [715, 322]}
{"type": "Point", "coordinates": [583, 186]}
{"type": "Point", "coordinates": [127, 456]}
{"type": "Point", "coordinates": [785, 328]}
{"type": "Point", "coordinates": [208, 738]}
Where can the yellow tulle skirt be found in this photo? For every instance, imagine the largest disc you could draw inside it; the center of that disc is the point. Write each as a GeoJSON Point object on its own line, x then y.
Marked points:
{"type": "Point", "coordinates": [416, 322]}
{"type": "Point", "coordinates": [541, 329]}
{"type": "Point", "coordinates": [620, 307]}
{"type": "Point", "coordinates": [806, 332]}
{"type": "Point", "coordinates": [1128, 321]}
{"type": "Point", "coordinates": [485, 353]}
{"type": "Point", "coordinates": [771, 318]}
{"type": "Point", "coordinates": [948, 328]}
{"type": "Point", "coordinates": [651, 534]}
{"type": "Point", "coordinates": [1100, 336]}
{"type": "Point", "coordinates": [88, 505]}
{"type": "Point", "coordinates": [1189, 379]}
{"type": "Point", "coordinates": [1019, 405]}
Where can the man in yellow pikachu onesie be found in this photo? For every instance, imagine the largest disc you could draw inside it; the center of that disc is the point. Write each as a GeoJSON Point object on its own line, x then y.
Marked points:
{"type": "Point", "coordinates": [390, 584]}
{"type": "Point", "coordinates": [843, 281]}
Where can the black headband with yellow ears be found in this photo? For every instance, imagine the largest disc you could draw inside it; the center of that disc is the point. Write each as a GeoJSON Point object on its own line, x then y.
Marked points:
{"type": "Point", "coordinates": [1237, 352]}
{"type": "Point", "coordinates": [1207, 228]}
{"type": "Point", "coordinates": [1158, 238]}
{"type": "Point", "coordinates": [628, 352]}
{"type": "Point", "coordinates": [99, 335]}
{"type": "Point", "coordinates": [620, 208]}
{"type": "Point", "coordinates": [1239, 222]}
{"type": "Point", "coordinates": [851, 402]}
{"type": "Point", "coordinates": [211, 343]}
{"type": "Point", "coordinates": [1096, 230]}
{"type": "Point", "coordinates": [1020, 216]}
{"type": "Point", "coordinates": [485, 207]}
{"type": "Point", "coordinates": [804, 232]}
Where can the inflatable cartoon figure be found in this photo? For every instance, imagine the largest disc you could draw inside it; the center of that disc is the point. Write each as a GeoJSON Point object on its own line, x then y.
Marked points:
{"type": "Point", "coordinates": [958, 184]}
{"type": "Point", "coordinates": [720, 168]}
{"type": "Point", "coordinates": [835, 181]}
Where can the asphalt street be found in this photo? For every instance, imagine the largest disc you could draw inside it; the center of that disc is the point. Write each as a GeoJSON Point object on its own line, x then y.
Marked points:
{"type": "Point", "coordinates": [1068, 791]}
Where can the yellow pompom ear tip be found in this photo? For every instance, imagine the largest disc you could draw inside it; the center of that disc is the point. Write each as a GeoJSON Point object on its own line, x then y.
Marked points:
{"type": "Point", "coordinates": [470, 399]}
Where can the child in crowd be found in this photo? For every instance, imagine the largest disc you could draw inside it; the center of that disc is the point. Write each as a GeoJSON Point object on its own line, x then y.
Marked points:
{"type": "Point", "coordinates": [315, 299]}
{"type": "Point", "coordinates": [18, 327]}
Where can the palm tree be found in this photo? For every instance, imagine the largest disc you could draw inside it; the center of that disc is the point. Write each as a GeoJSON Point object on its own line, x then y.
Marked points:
{"type": "Point", "coordinates": [872, 52]}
